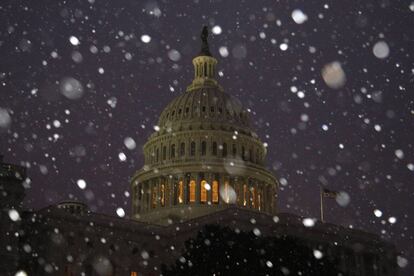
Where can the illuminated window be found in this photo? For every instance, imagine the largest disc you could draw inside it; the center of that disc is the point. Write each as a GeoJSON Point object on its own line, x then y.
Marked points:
{"type": "Point", "coordinates": [162, 195]}
{"type": "Point", "coordinates": [180, 192]}
{"type": "Point", "coordinates": [203, 191]}
{"type": "Point", "coordinates": [134, 273]}
{"type": "Point", "coordinates": [253, 196]}
{"type": "Point", "coordinates": [226, 192]}
{"type": "Point", "coordinates": [215, 190]}
{"type": "Point", "coordinates": [259, 200]}
{"type": "Point", "coordinates": [154, 197]}
{"type": "Point", "coordinates": [192, 187]}
{"type": "Point", "coordinates": [245, 195]}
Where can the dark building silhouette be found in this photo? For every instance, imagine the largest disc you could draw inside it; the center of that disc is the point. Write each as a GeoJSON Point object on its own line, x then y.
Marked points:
{"type": "Point", "coordinates": [204, 165]}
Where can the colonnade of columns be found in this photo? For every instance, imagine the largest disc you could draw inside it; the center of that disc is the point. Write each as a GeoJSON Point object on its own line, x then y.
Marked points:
{"type": "Point", "coordinates": [203, 188]}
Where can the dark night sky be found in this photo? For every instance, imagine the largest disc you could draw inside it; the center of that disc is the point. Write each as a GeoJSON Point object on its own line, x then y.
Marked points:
{"type": "Point", "coordinates": [357, 138]}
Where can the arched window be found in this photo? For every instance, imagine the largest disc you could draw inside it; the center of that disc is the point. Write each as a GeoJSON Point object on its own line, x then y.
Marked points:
{"type": "Point", "coordinates": [192, 148]}
{"type": "Point", "coordinates": [192, 188]}
{"type": "Point", "coordinates": [182, 149]}
{"type": "Point", "coordinates": [250, 155]}
{"type": "Point", "coordinates": [203, 148]}
{"type": "Point", "coordinates": [257, 156]}
{"type": "Point", "coordinates": [234, 150]}
{"type": "Point", "coordinates": [154, 195]}
{"type": "Point", "coordinates": [259, 199]}
{"type": "Point", "coordinates": [214, 148]}
{"type": "Point", "coordinates": [243, 154]}
{"type": "Point", "coordinates": [224, 150]}
{"type": "Point", "coordinates": [226, 195]}
{"type": "Point", "coordinates": [203, 191]}
{"type": "Point", "coordinates": [215, 192]}
{"type": "Point", "coordinates": [245, 195]}
{"type": "Point", "coordinates": [180, 192]}
{"type": "Point", "coordinates": [157, 155]}
{"type": "Point", "coordinates": [164, 152]}
{"type": "Point", "coordinates": [253, 197]}
{"type": "Point", "coordinates": [162, 194]}
{"type": "Point", "coordinates": [205, 69]}
{"type": "Point", "coordinates": [173, 151]}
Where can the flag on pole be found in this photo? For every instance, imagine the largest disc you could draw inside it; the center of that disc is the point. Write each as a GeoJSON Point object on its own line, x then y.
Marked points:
{"type": "Point", "coordinates": [329, 193]}
{"type": "Point", "coordinates": [326, 193]}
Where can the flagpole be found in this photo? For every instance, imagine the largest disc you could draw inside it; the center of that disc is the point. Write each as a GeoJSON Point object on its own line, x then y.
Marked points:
{"type": "Point", "coordinates": [321, 199]}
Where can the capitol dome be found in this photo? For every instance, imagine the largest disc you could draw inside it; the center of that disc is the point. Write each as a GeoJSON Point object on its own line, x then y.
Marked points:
{"type": "Point", "coordinates": [203, 156]}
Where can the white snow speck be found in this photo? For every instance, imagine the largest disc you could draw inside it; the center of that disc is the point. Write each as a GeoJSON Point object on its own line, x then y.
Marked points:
{"type": "Point", "coordinates": [269, 264]}
{"type": "Point", "coordinates": [401, 261]}
{"type": "Point", "coordinates": [343, 199]}
{"type": "Point", "coordinates": [334, 75]}
{"type": "Point", "coordinates": [174, 55]}
{"type": "Point", "coordinates": [392, 220]}
{"type": "Point", "coordinates": [216, 30]}
{"type": "Point", "coordinates": [5, 119]}
{"type": "Point", "coordinates": [74, 40]}
{"type": "Point", "coordinates": [256, 232]}
{"type": "Point", "coordinates": [381, 49]}
{"type": "Point", "coordinates": [377, 213]}
{"type": "Point", "coordinates": [207, 186]}
{"type": "Point", "coordinates": [56, 123]}
{"type": "Point", "coordinates": [130, 143]}
{"type": "Point", "coordinates": [144, 255]}
{"type": "Point", "coordinates": [20, 273]}
{"type": "Point", "coordinates": [122, 157]}
{"type": "Point", "coordinates": [81, 184]}
{"type": "Point", "coordinates": [14, 215]}
{"type": "Point", "coordinates": [308, 222]}
{"type": "Point", "coordinates": [145, 38]}
{"type": "Point", "coordinates": [283, 46]}
{"type": "Point", "coordinates": [224, 52]}
{"type": "Point", "coordinates": [399, 153]}
{"type": "Point", "coordinates": [71, 88]}
{"type": "Point", "coordinates": [317, 254]}
{"type": "Point", "coordinates": [299, 17]}
{"type": "Point", "coordinates": [120, 212]}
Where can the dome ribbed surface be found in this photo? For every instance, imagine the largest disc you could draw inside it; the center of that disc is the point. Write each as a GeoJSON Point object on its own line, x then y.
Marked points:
{"type": "Point", "coordinates": [208, 107]}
